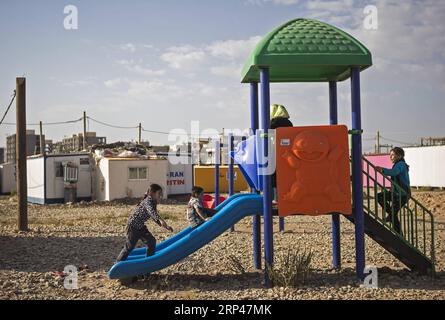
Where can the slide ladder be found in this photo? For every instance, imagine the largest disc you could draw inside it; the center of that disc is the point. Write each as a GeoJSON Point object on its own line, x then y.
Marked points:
{"type": "Point", "coordinates": [414, 246]}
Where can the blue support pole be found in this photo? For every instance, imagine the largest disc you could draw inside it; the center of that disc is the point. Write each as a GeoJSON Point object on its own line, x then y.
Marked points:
{"type": "Point", "coordinates": [281, 224]}
{"type": "Point", "coordinates": [357, 179]}
{"type": "Point", "coordinates": [231, 192]}
{"type": "Point", "coordinates": [217, 161]}
{"type": "Point", "coordinates": [333, 120]}
{"type": "Point", "coordinates": [266, 178]}
{"type": "Point", "coordinates": [256, 223]}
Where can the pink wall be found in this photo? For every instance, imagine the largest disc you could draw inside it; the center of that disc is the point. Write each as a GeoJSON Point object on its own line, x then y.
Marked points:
{"type": "Point", "coordinates": [377, 160]}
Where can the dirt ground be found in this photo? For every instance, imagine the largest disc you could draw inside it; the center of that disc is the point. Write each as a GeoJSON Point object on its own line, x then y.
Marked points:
{"type": "Point", "coordinates": [93, 234]}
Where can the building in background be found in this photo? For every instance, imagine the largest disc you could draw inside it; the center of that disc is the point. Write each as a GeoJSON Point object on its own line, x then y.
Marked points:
{"type": "Point", "coordinates": [426, 165]}
{"type": "Point", "coordinates": [117, 178]}
{"type": "Point", "coordinates": [49, 145]}
{"type": "Point", "coordinates": [159, 149]}
{"type": "Point", "coordinates": [2, 155]}
{"type": "Point", "coordinates": [46, 177]}
{"type": "Point", "coordinates": [32, 145]}
{"type": "Point", "coordinates": [75, 143]}
{"type": "Point", "coordinates": [8, 183]}
{"type": "Point", "coordinates": [432, 141]}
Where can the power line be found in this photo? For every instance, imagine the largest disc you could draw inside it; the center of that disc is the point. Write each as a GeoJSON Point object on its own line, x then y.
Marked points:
{"type": "Point", "coordinates": [111, 125]}
{"type": "Point", "coordinates": [9, 106]}
{"type": "Point", "coordinates": [47, 123]}
{"type": "Point", "coordinates": [164, 132]}
{"type": "Point", "coordinates": [396, 141]}
{"type": "Point", "coordinates": [154, 131]}
{"type": "Point", "coordinates": [132, 127]}
{"type": "Point", "coordinates": [62, 122]}
{"type": "Point", "coordinates": [196, 135]}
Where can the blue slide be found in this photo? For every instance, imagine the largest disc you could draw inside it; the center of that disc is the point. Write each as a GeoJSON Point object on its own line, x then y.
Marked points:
{"type": "Point", "coordinates": [141, 252]}
{"type": "Point", "coordinates": [188, 240]}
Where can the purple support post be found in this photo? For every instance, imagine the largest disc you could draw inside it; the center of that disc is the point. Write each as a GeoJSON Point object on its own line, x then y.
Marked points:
{"type": "Point", "coordinates": [231, 174]}
{"type": "Point", "coordinates": [336, 248]}
{"type": "Point", "coordinates": [217, 161]}
{"type": "Point", "coordinates": [256, 223]}
{"type": "Point", "coordinates": [266, 178]}
{"type": "Point", "coordinates": [357, 177]}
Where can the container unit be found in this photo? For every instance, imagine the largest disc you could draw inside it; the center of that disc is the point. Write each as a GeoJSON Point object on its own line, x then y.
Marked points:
{"type": "Point", "coordinates": [426, 166]}
{"type": "Point", "coordinates": [8, 182]}
{"type": "Point", "coordinates": [117, 178]}
{"type": "Point", "coordinates": [45, 177]}
{"type": "Point", "coordinates": [204, 176]}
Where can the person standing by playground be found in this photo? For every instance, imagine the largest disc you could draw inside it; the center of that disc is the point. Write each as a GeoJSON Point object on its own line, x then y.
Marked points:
{"type": "Point", "coordinates": [196, 212]}
{"type": "Point", "coordinates": [279, 117]}
{"type": "Point", "coordinates": [399, 174]}
{"type": "Point", "coordinates": [136, 228]}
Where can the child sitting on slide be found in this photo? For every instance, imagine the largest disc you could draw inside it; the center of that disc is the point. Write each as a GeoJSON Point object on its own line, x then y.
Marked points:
{"type": "Point", "coordinates": [196, 213]}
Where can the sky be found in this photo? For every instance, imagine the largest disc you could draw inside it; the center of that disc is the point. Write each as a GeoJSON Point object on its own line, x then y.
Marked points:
{"type": "Point", "coordinates": [166, 63]}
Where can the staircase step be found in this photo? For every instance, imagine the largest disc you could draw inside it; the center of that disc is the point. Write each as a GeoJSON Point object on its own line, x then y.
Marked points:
{"type": "Point", "coordinates": [405, 253]}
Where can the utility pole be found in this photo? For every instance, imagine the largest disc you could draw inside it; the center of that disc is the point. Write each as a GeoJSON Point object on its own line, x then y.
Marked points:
{"type": "Point", "coordinates": [22, 191]}
{"type": "Point", "coordinates": [378, 143]}
{"type": "Point", "coordinates": [140, 131]}
{"type": "Point", "coordinates": [42, 142]}
{"type": "Point", "coordinates": [84, 130]}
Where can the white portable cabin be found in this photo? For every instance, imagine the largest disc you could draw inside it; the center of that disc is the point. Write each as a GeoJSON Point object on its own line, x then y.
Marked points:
{"type": "Point", "coordinates": [45, 177]}
{"type": "Point", "coordinates": [426, 166]}
{"type": "Point", "coordinates": [117, 178]}
{"type": "Point", "coordinates": [8, 182]}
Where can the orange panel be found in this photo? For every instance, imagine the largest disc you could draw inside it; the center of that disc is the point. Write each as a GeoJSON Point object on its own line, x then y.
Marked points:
{"type": "Point", "coordinates": [313, 175]}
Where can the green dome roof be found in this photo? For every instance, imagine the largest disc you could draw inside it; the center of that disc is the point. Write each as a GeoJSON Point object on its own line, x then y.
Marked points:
{"type": "Point", "coordinates": [306, 50]}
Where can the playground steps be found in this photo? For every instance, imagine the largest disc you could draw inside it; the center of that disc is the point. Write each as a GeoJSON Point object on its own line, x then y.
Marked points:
{"type": "Point", "coordinates": [397, 246]}
{"type": "Point", "coordinates": [415, 246]}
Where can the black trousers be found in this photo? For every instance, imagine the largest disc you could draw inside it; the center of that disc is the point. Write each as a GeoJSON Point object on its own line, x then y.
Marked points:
{"type": "Point", "coordinates": [132, 238]}
{"type": "Point", "coordinates": [387, 196]}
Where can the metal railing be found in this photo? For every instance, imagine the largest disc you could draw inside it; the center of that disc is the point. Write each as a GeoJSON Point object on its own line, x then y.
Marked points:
{"type": "Point", "coordinates": [390, 205]}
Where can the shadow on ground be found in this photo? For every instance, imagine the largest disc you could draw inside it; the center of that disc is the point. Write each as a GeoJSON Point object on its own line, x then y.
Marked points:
{"type": "Point", "coordinates": [203, 282]}
{"type": "Point", "coordinates": [47, 254]}
{"type": "Point", "coordinates": [387, 278]}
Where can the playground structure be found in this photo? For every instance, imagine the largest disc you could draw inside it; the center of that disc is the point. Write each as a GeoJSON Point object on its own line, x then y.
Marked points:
{"type": "Point", "coordinates": [304, 50]}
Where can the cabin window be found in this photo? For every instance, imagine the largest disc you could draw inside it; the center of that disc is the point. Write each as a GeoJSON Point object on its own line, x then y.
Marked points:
{"type": "Point", "coordinates": [84, 161]}
{"type": "Point", "coordinates": [59, 169]}
{"type": "Point", "coordinates": [138, 173]}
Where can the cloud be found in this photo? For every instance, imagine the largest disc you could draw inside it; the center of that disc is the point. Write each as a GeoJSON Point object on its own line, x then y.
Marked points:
{"type": "Point", "coordinates": [410, 32]}
{"type": "Point", "coordinates": [277, 2]}
{"type": "Point", "coordinates": [331, 6]}
{"type": "Point", "coordinates": [222, 58]}
{"type": "Point", "coordinates": [136, 67]}
{"type": "Point", "coordinates": [231, 71]}
{"type": "Point", "coordinates": [87, 81]}
{"type": "Point", "coordinates": [406, 45]}
{"type": "Point", "coordinates": [128, 47]}
{"type": "Point", "coordinates": [183, 57]}
{"type": "Point", "coordinates": [113, 83]}
{"type": "Point", "coordinates": [233, 49]}
{"type": "Point", "coordinates": [154, 90]}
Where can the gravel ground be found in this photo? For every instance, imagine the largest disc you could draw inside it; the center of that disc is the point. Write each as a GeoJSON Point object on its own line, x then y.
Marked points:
{"type": "Point", "coordinates": [93, 234]}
